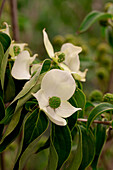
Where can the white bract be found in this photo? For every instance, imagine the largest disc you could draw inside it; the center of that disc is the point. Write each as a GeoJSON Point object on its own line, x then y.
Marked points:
{"type": "Point", "coordinates": [5, 30]}
{"type": "Point", "coordinates": [57, 87]}
{"type": "Point", "coordinates": [70, 58]}
{"type": "Point", "coordinates": [21, 67]}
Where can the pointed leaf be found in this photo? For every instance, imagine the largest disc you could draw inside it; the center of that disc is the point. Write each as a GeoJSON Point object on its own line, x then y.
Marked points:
{"type": "Point", "coordinates": [2, 114]}
{"type": "Point", "coordinates": [77, 152]}
{"type": "Point", "coordinates": [5, 41]}
{"type": "Point", "coordinates": [11, 137]}
{"type": "Point", "coordinates": [61, 138]}
{"type": "Point", "coordinates": [100, 140]}
{"type": "Point", "coordinates": [3, 67]}
{"type": "Point", "coordinates": [35, 125]}
{"type": "Point", "coordinates": [88, 147]}
{"type": "Point", "coordinates": [103, 107]}
{"type": "Point", "coordinates": [46, 66]}
{"type": "Point", "coordinates": [91, 18]}
{"type": "Point", "coordinates": [1, 53]}
{"type": "Point", "coordinates": [53, 157]}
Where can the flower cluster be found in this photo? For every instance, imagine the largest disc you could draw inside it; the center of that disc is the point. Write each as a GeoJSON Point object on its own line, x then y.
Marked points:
{"type": "Point", "coordinates": [57, 85]}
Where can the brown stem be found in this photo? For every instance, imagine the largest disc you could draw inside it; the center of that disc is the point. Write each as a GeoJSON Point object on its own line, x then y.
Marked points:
{"type": "Point", "coordinates": [2, 161]}
{"type": "Point", "coordinates": [95, 121]}
{"type": "Point", "coordinates": [2, 6]}
{"type": "Point", "coordinates": [13, 6]}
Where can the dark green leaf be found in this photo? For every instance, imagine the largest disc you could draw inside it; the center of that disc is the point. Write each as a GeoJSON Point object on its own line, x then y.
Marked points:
{"type": "Point", "coordinates": [53, 157]}
{"type": "Point", "coordinates": [8, 113]}
{"type": "Point", "coordinates": [46, 66]}
{"type": "Point", "coordinates": [3, 68]}
{"type": "Point", "coordinates": [1, 53]}
{"type": "Point", "coordinates": [35, 125]}
{"type": "Point", "coordinates": [88, 147]}
{"type": "Point", "coordinates": [5, 41]}
{"type": "Point", "coordinates": [91, 18]}
{"type": "Point", "coordinates": [103, 107]}
{"type": "Point", "coordinates": [81, 100]}
{"type": "Point", "coordinates": [109, 35]}
{"type": "Point", "coordinates": [10, 138]}
{"type": "Point", "coordinates": [61, 138]}
{"type": "Point", "coordinates": [100, 134]}
{"type": "Point", "coordinates": [2, 114]}
{"type": "Point", "coordinates": [77, 151]}
{"type": "Point", "coordinates": [73, 118]}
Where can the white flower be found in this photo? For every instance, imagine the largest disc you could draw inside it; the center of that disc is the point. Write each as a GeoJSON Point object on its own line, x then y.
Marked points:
{"type": "Point", "coordinates": [56, 88]}
{"type": "Point", "coordinates": [70, 60]}
{"type": "Point", "coordinates": [16, 48]}
{"type": "Point", "coordinates": [20, 69]}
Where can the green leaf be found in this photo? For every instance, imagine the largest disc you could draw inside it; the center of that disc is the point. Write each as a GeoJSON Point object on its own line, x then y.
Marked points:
{"type": "Point", "coordinates": [13, 123]}
{"type": "Point", "coordinates": [8, 113]}
{"type": "Point", "coordinates": [109, 35]}
{"type": "Point", "coordinates": [91, 18]}
{"type": "Point", "coordinates": [2, 114]}
{"type": "Point", "coordinates": [73, 118]}
{"type": "Point", "coordinates": [28, 86]}
{"type": "Point", "coordinates": [103, 107]}
{"type": "Point", "coordinates": [81, 100]}
{"type": "Point", "coordinates": [53, 157]}
{"type": "Point", "coordinates": [61, 138]}
{"type": "Point", "coordinates": [88, 147]}
{"type": "Point", "coordinates": [11, 137]}
{"type": "Point", "coordinates": [9, 92]}
{"type": "Point", "coordinates": [77, 151]}
{"type": "Point", "coordinates": [3, 67]}
{"type": "Point", "coordinates": [100, 134]}
{"type": "Point", "coordinates": [46, 66]}
{"type": "Point", "coordinates": [1, 53]}
{"type": "Point", "coordinates": [5, 41]}
{"type": "Point", "coordinates": [35, 125]}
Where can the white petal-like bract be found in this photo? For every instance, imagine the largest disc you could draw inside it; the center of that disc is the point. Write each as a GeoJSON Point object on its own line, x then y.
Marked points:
{"type": "Point", "coordinates": [58, 83]}
{"type": "Point", "coordinates": [48, 45]}
{"type": "Point", "coordinates": [20, 69]}
{"type": "Point", "coordinates": [66, 109]}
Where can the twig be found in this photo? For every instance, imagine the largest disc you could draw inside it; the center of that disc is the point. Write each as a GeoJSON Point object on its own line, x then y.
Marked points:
{"type": "Point", "coordinates": [13, 5]}
{"type": "Point", "coordinates": [95, 121]}
{"type": "Point", "coordinates": [2, 6]}
{"type": "Point", "coordinates": [2, 161]}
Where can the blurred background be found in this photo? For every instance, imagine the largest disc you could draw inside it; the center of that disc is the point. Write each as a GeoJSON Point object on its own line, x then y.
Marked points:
{"type": "Point", "coordinates": [62, 19]}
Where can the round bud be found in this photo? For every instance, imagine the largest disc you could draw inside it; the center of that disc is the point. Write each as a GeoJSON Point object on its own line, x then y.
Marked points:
{"type": "Point", "coordinates": [61, 57]}
{"type": "Point", "coordinates": [16, 50]}
{"type": "Point", "coordinates": [108, 97]}
{"type": "Point", "coordinates": [54, 102]}
{"type": "Point", "coordinates": [96, 95]}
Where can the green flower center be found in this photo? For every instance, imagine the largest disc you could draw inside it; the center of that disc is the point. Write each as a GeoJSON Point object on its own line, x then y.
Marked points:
{"type": "Point", "coordinates": [54, 102]}
{"type": "Point", "coordinates": [61, 57]}
{"type": "Point", "coordinates": [16, 50]}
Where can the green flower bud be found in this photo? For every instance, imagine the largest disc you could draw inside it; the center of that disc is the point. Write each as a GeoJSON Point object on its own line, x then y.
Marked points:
{"type": "Point", "coordinates": [58, 40]}
{"type": "Point", "coordinates": [108, 97]}
{"type": "Point", "coordinates": [16, 50]}
{"type": "Point", "coordinates": [102, 74]}
{"type": "Point", "coordinates": [96, 95]}
{"type": "Point", "coordinates": [61, 57]}
{"type": "Point", "coordinates": [54, 102]}
{"type": "Point", "coordinates": [103, 48]}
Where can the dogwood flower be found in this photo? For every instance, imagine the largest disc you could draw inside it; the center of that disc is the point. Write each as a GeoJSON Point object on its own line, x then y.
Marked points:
{"type": "Point", "coordinates": [15, 48]}
{"type": "Point", "coordinates": [67, 58]}
{"type": "Point", "coordinates": [57, 87]}
{"type": "Point", "coordinates": [20, 69]}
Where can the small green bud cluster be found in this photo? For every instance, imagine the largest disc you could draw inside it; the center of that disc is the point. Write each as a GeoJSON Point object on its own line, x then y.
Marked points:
{"type": "Point", "coordinates": [61, 57]}
{"type": "Point", "coordinates": [102, 74]}
{"type": "Point", "coordinates": [54, 102]}
{"type": "Point", "coordinates": [96, 95]}
{"type": "Point", "coordinates": [16, 50]}
{"type": "Point", "coordinates": [108, 97]}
